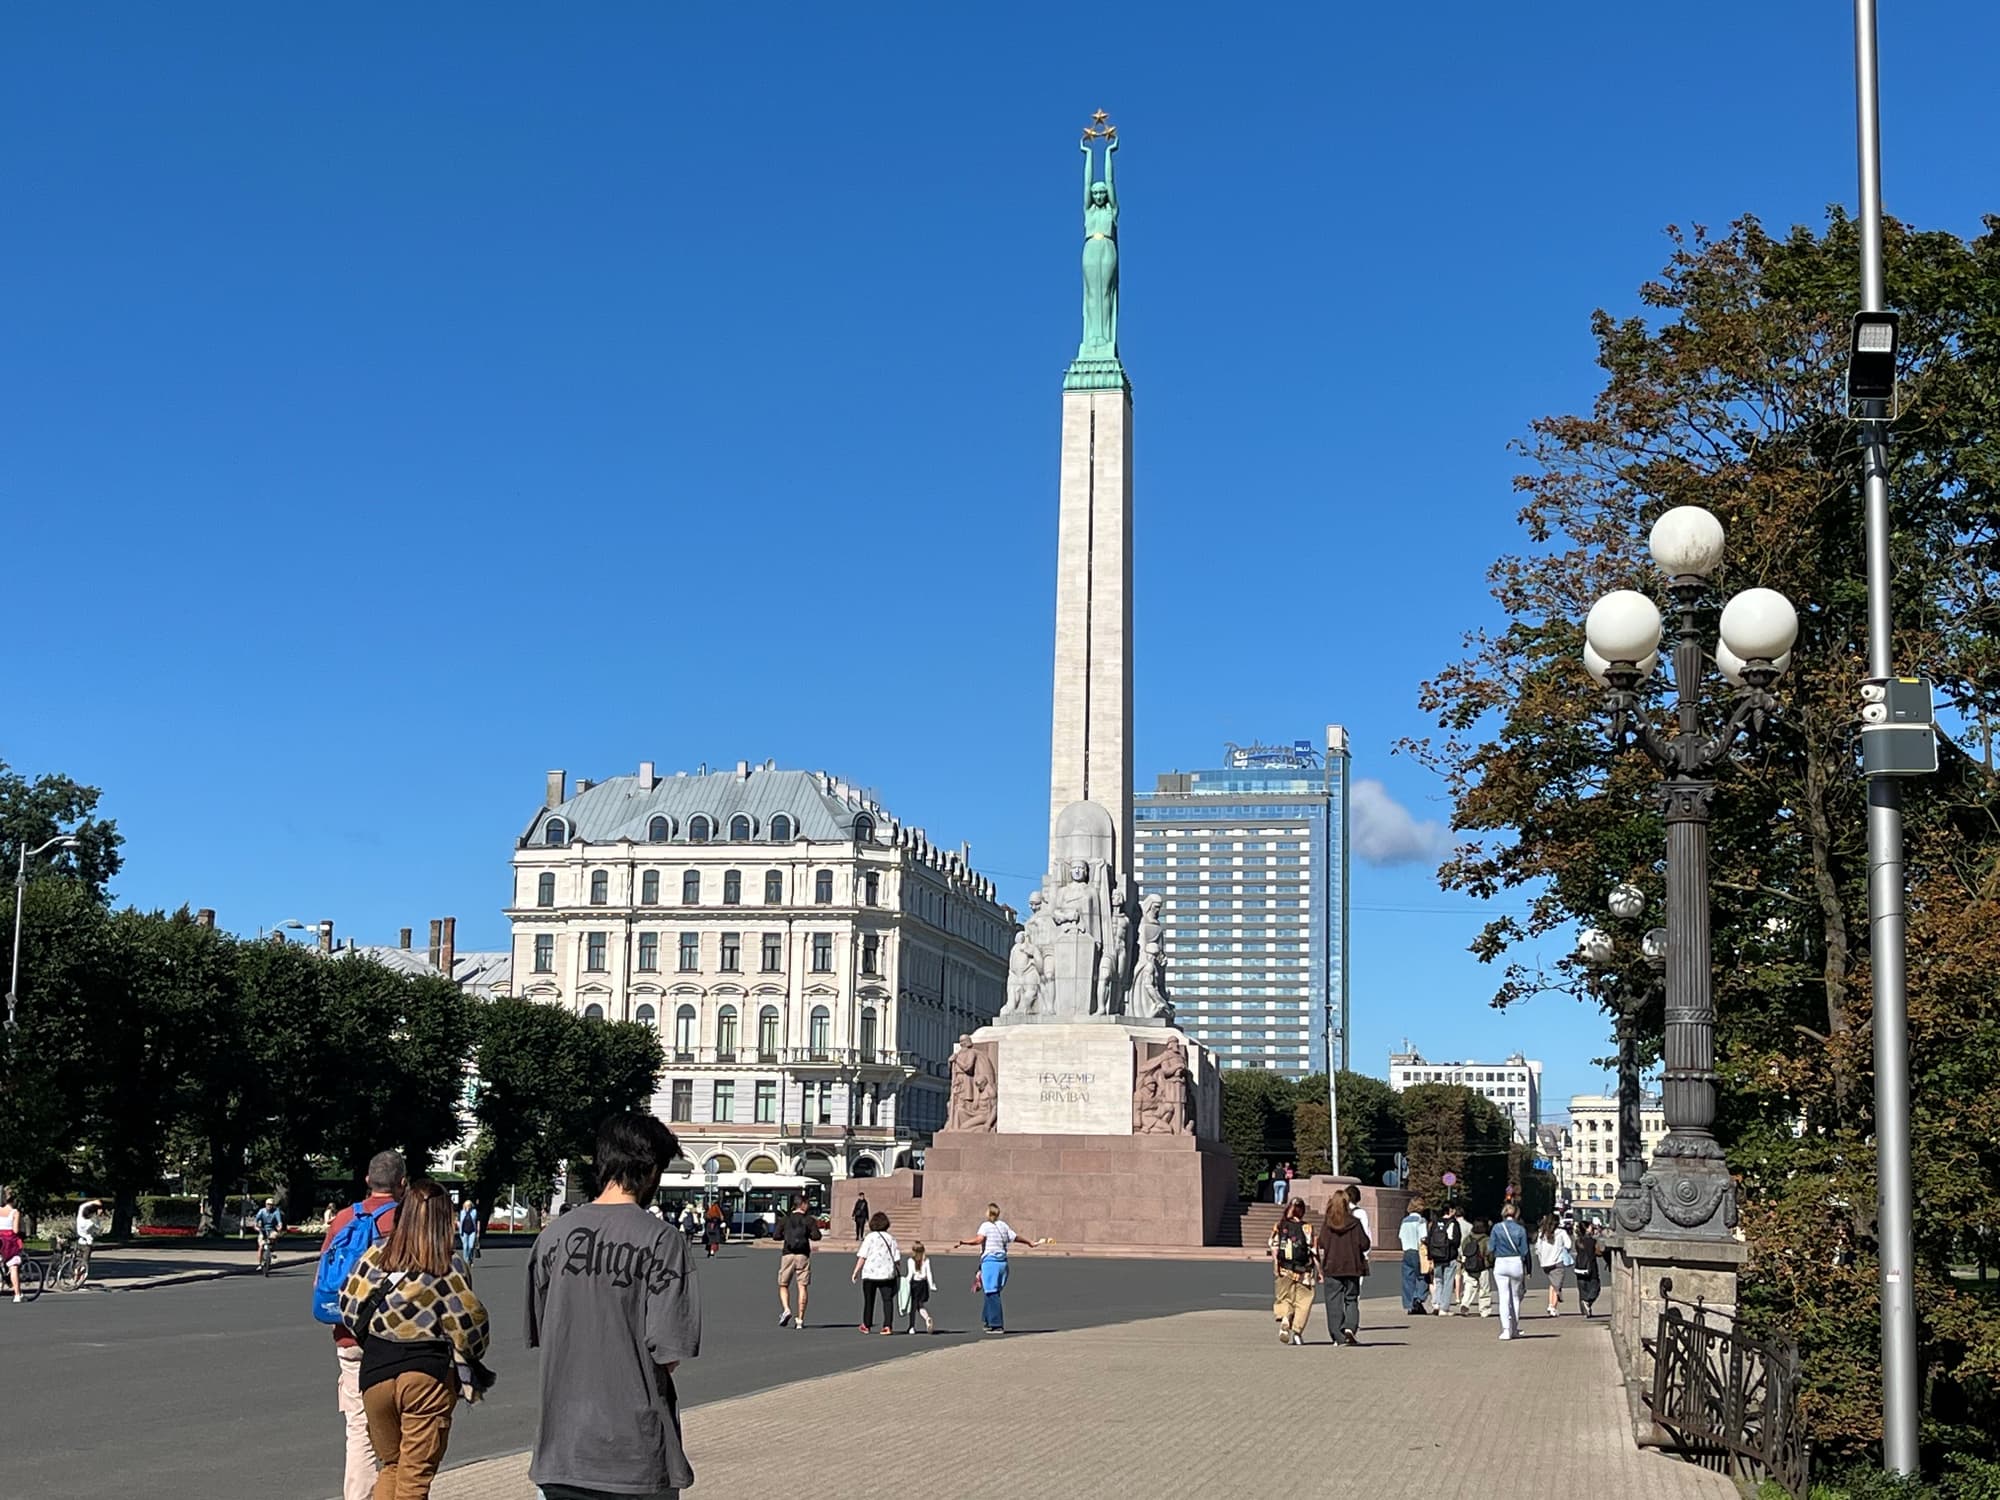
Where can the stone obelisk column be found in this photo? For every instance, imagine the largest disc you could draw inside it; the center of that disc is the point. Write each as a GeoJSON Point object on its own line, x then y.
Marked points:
{"type": "Point", "coordinates": [1091, 750]}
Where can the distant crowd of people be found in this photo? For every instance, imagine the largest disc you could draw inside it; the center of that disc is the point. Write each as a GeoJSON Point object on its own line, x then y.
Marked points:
{"type": "Point", "coordinates": [1450, 1265]}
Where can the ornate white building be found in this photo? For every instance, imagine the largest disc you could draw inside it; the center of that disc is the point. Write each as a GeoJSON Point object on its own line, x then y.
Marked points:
{"type": "Point", "coordinates": [808, 960]}
{"type": "Point", "coordinates": [1591, 1168]}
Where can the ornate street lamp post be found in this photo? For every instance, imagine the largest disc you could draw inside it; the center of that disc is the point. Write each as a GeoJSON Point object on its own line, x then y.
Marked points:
{"type": "Point", "coordinates": [1688, 1192]}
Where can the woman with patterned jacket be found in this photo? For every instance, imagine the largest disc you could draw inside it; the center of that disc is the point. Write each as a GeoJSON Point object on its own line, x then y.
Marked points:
{"type": "Point", "coordinates": [423, 1335]}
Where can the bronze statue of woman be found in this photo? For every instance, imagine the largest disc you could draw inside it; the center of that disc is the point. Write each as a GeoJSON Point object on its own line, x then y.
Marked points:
{"type": "Point", "coordinates": [1100, 258]}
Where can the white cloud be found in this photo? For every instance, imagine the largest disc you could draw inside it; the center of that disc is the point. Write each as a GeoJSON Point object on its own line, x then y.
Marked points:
{"type": "Point", "coordinates": [1384, 833]}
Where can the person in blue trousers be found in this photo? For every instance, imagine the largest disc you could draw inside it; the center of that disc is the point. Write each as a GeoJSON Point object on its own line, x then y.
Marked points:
{"type": "Point", "coordinates": [993, 1239]}
{"type": "Point", "coordinates": [1410, 1234]}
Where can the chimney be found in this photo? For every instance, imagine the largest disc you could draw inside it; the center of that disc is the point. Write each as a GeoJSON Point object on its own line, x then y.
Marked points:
{"type": "Point", "coordinates": [557, 781]}
{"type": "Point", "coordinates": [326, 937]}
{"type": "Point", "coordinates": [647, 780]}
{"type": "Point", "coordinates": [437, 940]}
{"type": "Point", "coordinates": [583, 784]}
{"type": "Point", "coordinates": [743, 770]}
{"type": "Point", "coordinates": [205, 917]}
{"type": "Point", "coordinates": [403, 939]}
{"type": "Point", "coordinates": [450, 945]}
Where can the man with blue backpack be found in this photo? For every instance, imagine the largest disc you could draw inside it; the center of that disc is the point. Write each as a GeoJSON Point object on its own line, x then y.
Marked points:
{"type": "Point", "coordinates": [348, 1237]}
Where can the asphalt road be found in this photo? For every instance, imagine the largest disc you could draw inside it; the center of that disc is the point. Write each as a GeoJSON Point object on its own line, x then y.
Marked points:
{"type": "Point", "coordinates": [226, 1388]}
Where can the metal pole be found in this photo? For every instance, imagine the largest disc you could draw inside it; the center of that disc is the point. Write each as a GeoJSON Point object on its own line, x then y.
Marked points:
{"type": "Point", "coordinates": [1887, 937]}
{"type": "Point", "coordinates": [20, 900]}
{"type": "Point", "coordinates": [1332, 1101]}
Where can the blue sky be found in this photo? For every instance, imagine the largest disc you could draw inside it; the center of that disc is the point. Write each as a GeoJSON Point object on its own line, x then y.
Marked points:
{"type": "Point", "coordinates": [401, 401]}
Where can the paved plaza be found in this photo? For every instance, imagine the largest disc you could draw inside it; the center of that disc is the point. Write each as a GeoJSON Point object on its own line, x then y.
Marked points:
{"type": "Point", "coordinates": [1203, 1403]}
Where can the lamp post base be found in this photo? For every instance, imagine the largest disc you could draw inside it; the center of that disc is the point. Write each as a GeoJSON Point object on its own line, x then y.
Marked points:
{"type": "Point", "coordinates": [1679, 1198]}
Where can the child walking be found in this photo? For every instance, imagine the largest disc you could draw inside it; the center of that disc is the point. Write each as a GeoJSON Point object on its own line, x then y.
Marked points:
{"type": "Point", "coordinates": [919, 1281]}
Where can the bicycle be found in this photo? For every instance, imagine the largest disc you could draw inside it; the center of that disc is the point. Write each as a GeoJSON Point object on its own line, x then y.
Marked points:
{"type": "Point", "coordinates": [69, 1267]}
{"type": "Point", "coordinates": [34, 1274]}
{"type": "Point", "coordinates": [267, 1249]}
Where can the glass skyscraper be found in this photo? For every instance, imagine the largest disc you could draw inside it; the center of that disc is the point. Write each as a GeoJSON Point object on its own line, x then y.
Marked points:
{"type": "Point", "coordinates": [1250, 863]}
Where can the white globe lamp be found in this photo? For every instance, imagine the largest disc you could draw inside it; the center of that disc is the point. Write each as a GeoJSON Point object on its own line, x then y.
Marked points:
{"type": "Point", "coordinates": [1626, 901]}
{"type": "Point", "coordinates": [1731, 665]}
{"type": "Point", "coordinates": [1759, 625]}
{"type": "Point", "coordinates": [1594, 946]}
{"type": "Point", "coordinates": [1623, 626]}
{"type": "Point", "coordinates": [1687, 542]}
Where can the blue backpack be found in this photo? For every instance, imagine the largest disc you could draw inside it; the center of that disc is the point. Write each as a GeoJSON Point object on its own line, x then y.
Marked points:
{"type": "Point", "coordinates": [338, 1260]}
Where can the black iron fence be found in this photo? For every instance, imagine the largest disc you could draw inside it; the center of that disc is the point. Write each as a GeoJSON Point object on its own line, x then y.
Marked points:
{"type": "Point", "coordinates": [1730, 1400]}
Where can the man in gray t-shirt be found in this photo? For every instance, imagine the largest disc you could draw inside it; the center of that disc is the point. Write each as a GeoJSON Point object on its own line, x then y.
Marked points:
{"type": "Point", "coordinates": [613, 1307]}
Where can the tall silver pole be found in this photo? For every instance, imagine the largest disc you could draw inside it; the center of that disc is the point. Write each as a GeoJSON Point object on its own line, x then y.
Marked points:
{"type": "Point", "coordinates": [1885, 846]}
{"type": "Point", "coordinates": [1332, 1100]}
{"type": "Point", "coordinates": [20, 900]}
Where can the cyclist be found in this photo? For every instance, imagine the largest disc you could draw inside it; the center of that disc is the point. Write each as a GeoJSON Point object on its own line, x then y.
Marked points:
{"type": "Point", "coordinates": [270, 1224]}
{"type": "Point", "coordinates": [86, 1235]}
{"type": "Point", "coordinates": [11, 1247]}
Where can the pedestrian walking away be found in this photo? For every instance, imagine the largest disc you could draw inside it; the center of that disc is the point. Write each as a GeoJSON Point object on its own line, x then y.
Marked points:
{"type": "Point", "coordinates": [995, 1239]}
{"type": "Point", "coordinates": [1475, 1270]}
{"type": "Point", "coordinates": [1442, 1241]}
{"type": "Point", "coordinates": [1589, 1250]}
{"type": "Point", "coordinates": [1509, 1246]}
{"type": "Point", "coordinates": [613, 1306]}
{"type": "Point", "coordinates": [1360, 1213]}
{"type": "Point", "coordinates": [1342, 1248]}
{"type": "Point", "coordinates": [711, 1230]}
{"type": "Point", "coordinates": [1410, 1235]}
{"type": "Point", "coordinates": [1293, 1271]}
{"type": "Point", "coordinates": [349, 1235]}
{"type": "Point", "coordinates": [797, 1234]}
{"type": "Point", "coordinates": [423, 1335]}
{"type": "Point", "coordinates": [913, 1294]}
{"type": "Point", "coordinates": [875, 1264]}
{"type": "Point", "coordinates": [1281, 1183]}
{"type": "Point", "coordinates": [1555, 1254]}
{"type": "Point", "coordinates": [861, 1216]}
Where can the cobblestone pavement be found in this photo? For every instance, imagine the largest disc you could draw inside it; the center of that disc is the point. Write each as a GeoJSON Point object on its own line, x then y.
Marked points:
{"type": "Point", "coordinates": [1205, 1403]}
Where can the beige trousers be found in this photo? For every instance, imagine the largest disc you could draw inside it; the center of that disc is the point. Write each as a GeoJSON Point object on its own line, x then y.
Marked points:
{"type": "Point", "coordinates": [359, 1480]}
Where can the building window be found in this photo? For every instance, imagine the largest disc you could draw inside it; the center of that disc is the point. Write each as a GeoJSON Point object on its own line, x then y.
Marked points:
{"type": "Point", "coordinates": [683, 1096]}
{"type": "Point", "coordinates": [822, 953]}
{"type": "Point", "coordinates": [658, 831]}
{"type": "Point", "coordinates": [739, 829]}
{"type": "Point", "coordinates": [774, 952]}
{"type": "Point", "coordinates": [690, 952]}
{"type": "Point", "coordinates": [871, 952]}
{"type": "Point", "coordinates": [594, 952]}
{"type": "Point", "coordinates": [691, 888]}
{"type": "Point", "coordinates": [825, 1110]}
{"type": "Point", "coordinates": [732, 953]}
{"type": "Point", "coordinates": [545, 953]}
{"type": "Point", "coordinates": [774, 888]}
{"type": "Point", "coordinates": [545, 888]}
{"type": "Point", "coordinates": [732, 887]}
{"type": "Point", "coordinates": [555, 833]}
{"type": "Point", "coordinates": [874, 1104]}
{"type": "Point", "coordinates": [819, 1037]}
{"type": "Point", "coordinates": [700, 829]}
{"type": "Point", "coordinates": [871, 888]}
{"type": "Point", "coordinates": [684, 1034]}
{"type": "Point", "coordinates": [649, 888]}
{"type": "Point", "coordinates": [781, 829]}
{"type": "Point", "coordinates": [645, 1015]}
{"type": "Point", "coordinates": [864, 828]}
{"type": "Point", "coordinates": [823, 887]}
{"type": "Point", "coordinates": [868, 1036]}
{"type": "Point", "coordinates": [593, 1012]}
{"type": "Point", "coordinates": [767, 1034]}
{"type": "Point", "coordinates": [649, 952]}
{"type": "Point", "coordinates": [767, 1100]}
{"type": "Point", "coordinates": [725, 1100]}
{"type": "Point", "coordinates": [725, 1033]}
{"type": "Point", "coordinates": [600, 887]}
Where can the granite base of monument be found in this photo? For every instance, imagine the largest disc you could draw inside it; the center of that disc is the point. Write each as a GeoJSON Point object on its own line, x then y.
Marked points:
{"type": "Point", "coordinates": [1098, 1131]}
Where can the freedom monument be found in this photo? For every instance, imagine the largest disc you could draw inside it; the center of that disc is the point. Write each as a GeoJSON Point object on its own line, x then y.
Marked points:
{"type": "Point", "coordinates": [1081, 1109]}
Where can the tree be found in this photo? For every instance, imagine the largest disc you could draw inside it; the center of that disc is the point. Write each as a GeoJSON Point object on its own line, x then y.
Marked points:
{"type": "Point", "coordinates": [33, 812]}
{"type": "Point", "coordinates": [1371, 1125]}
{"type": "Point", "coordinates": [47, 1060]}
{"type": "Point", "coordinates": [1726, 394]}
{"type": "Point", "coordinates": [547, 1080]}
{"type": "Point", "coordinates": [1257, 1122]}
{"type": "Point", "coordinates": [1451, 1129]}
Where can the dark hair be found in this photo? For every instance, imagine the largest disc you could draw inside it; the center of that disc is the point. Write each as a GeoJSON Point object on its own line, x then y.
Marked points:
{"type": "Point", "coordinates": [1296, 1209]}
{"type": "Point", "coordinates": [1482, 1226]}
{"type": "Point", "coordinates": [387, 1171]}
{"type": "Point", "coordinates": [632, 1150]}
{"type": "Point", "coordinates": [422, 1237]}
{"type": "Point", "coordinates": [879, 1223]}
{"type": "Point", "coordinates": [1353, 1193]}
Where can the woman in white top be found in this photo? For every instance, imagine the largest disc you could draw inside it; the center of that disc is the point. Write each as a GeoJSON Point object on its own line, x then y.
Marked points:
{"type": "Point", "coordinates": [875, 1261]}
{"type": "Point", "coordinates": [11, 1247]}
{"type": "Point", "coordinates": [1555, 1254]}
{"type": "Point", "coordinates": [993, 1238]}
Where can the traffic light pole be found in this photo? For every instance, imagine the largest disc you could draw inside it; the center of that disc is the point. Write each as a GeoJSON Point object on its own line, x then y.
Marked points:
{"type": "Point", "coordinates": [1887, 935]}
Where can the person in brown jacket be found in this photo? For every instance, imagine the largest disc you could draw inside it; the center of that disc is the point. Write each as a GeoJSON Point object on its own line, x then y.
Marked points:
{"type": "Point", "coordinates": [1342, 1247]}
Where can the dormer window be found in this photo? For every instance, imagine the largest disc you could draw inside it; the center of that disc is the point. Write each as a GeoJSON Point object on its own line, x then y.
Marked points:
{"type": "Point", "coordinates": [864, 829]}
{"type": "Point", "coordinates": [781, 829]}
{"type": "Point", "coordinates": [555, 833]}
{"type": "Point", "coordinates": [700, 829]}
{"type": "Point", "coordinates": [659, 830]}
{"type": "Point", "coordinates": [739, 829]}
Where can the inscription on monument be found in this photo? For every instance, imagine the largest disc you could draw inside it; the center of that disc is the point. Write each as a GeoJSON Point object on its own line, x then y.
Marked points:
{"type": "Point", "coordinates": [1067, 1088]}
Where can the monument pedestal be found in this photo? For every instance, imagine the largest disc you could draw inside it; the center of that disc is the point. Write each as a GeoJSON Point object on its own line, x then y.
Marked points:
{"type": "Point", "coordinates": [1081, 1149]}
{"type": "Point", "coordinates": [1704, 1270]}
